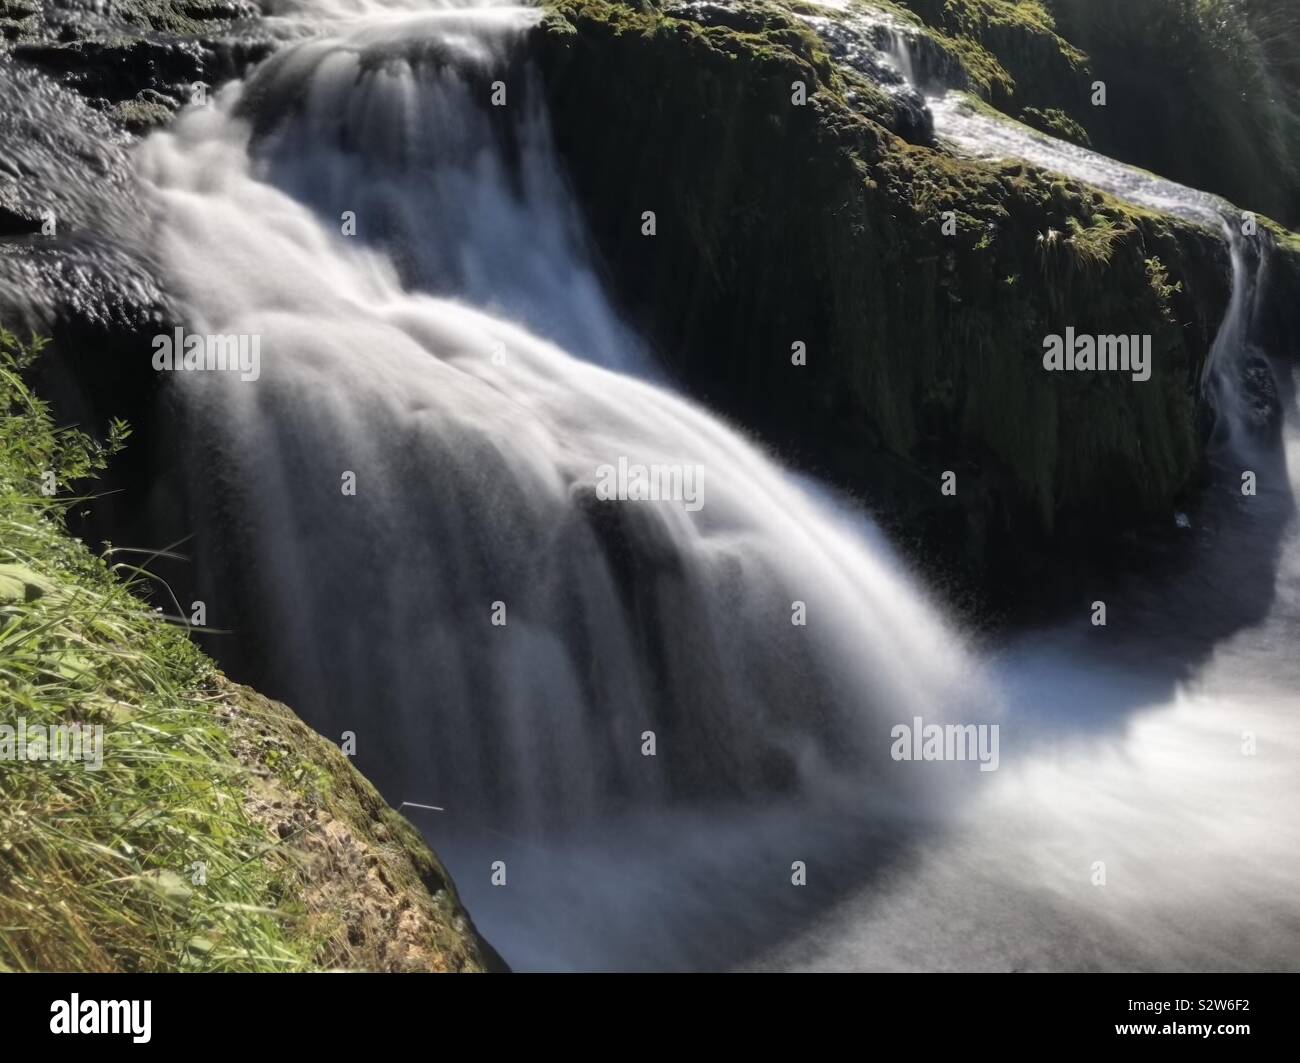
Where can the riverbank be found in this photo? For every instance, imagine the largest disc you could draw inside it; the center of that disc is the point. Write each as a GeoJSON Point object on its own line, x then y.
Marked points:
{"type": "Point", "coordinates": [212, 830]}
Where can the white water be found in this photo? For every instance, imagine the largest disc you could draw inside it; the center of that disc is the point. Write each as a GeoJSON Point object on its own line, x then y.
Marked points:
{"type": "Point", "coordinates": [1128, 750]}
{"type": "Point", "coordinates": [981, 135]}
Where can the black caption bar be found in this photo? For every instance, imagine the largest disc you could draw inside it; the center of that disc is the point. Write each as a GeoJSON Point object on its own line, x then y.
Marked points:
{"type": "Point", "coordinates": [339, 1012]}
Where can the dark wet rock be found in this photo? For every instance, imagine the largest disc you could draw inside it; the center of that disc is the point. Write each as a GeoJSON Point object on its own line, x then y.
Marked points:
{"type": "Point", "coordinates": [137, 60]}
{"type": "Point", "coordinates": [60, 156]}
{"type": "Point", "coordinates": [1263, 406]}
{"type": "Point", "coordinates": [78, 80]}
{"type": "Point", "coordinates": [116, 70]}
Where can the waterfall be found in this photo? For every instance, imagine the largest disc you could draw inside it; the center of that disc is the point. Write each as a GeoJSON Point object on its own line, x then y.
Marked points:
{"type": "Point", "coordinates": [507, 641]}
{"type": "Point", "coordinates": [500, 636]}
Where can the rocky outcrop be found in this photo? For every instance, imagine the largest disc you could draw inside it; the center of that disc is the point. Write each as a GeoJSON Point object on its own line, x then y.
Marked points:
{"type": "Point", "coordinates": [1212, 71]}
{"type": "Point", "coordinates": [780, 224]}
{"type": "Point", "coordinates": [1196, 72]}
{"type": "Point", "coordinates": [79, 83]}
{"type": "Point", "coordinates": [374, 896]}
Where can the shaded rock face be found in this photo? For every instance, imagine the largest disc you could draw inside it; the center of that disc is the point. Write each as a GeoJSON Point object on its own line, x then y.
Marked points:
{"type": "Point", "coordinates": [781, 224]}
{"type": "Point", "coordinates": [1278, 322]}
{"type": "Point", "coordinates": [78, 81]}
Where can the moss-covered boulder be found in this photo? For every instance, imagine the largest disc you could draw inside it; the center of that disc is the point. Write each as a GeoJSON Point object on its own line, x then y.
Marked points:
{"type": "Point", "coordinates": [1010, 49]}
{"type": "Point", "coordinates": [370, 894]}
{"type": "Point", "coordinates": [779, 224]}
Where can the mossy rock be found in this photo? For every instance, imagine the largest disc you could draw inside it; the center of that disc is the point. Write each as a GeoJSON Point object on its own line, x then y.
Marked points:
{"type": "Point", "coordinates": [373, 896]}
{"type": "Point", "coordinates": [818, 224]}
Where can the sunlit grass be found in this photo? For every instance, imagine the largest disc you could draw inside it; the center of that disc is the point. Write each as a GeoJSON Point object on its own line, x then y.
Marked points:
{"type": "Point", "coordinates": [149, 862]}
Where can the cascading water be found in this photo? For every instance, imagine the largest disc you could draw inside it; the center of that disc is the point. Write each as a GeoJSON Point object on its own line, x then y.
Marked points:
{"type": "Point", "coordinates": [462, 198]}
{"type": "Point", "coordinates": [478, 449]}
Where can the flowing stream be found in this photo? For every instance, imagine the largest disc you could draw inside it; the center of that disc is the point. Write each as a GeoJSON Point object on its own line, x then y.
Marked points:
{"type": "Point", "coordinates": [503, 639]}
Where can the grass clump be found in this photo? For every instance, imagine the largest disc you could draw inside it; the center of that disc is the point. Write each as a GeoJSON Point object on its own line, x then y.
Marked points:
{"type": "Point", "coordinates": [148, 862]}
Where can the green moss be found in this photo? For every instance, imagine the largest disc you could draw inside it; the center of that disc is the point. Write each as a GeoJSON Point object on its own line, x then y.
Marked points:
{"type": "Point", "coordinates": [140, 116]}
{"type": "Point", "coordinates": [373, 895]}
{"type": "Point", "coordinates": [1056, 123]}
{"type": "Point", "coordinates": [1010, 49]}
